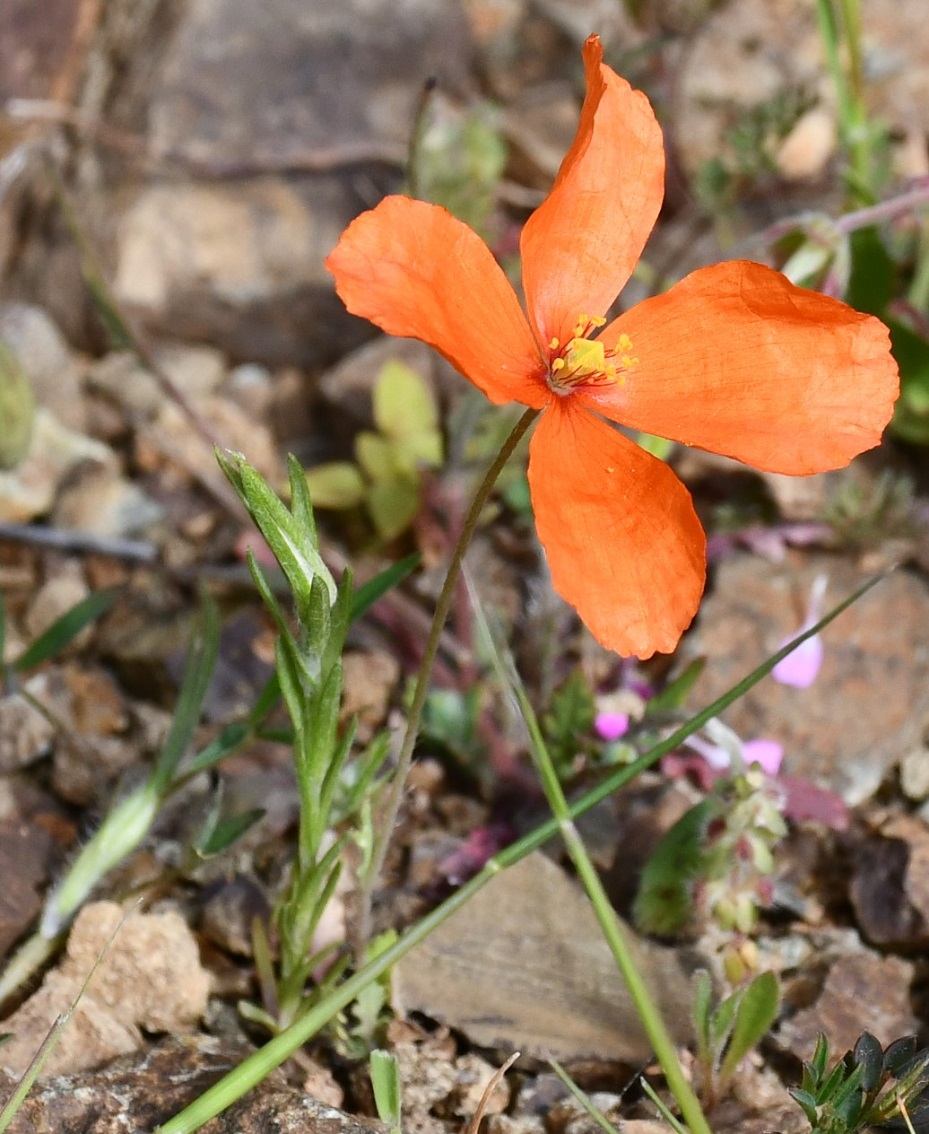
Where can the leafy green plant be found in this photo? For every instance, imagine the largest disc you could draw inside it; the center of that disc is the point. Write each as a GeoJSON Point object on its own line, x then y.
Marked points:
{"type": "Point", "coordinates": [385, 1080]}
{"type": "Point", "coordinates": [866, 1087]}
{"type": "Point", "coordinates": [866, 511]}
{"type": "Point", "coordinates": [567, 722]}
{"type": "Point", "coordinates": [309, 670]}
{"type": "Point", "coordinates": [457, 160]}
{"type": "Point", "coordinates": [130, 819]}
{"type": "Point", "coordinates": [710, 870]}
{"type": "Point", "coordinates": [386, 476]}
{"type": "Point", "coordinates": [749, 146]}
{"type": "Point", "coordinates": [341, 994]}
{"type": "Point", "coordinates": [726, 1033]}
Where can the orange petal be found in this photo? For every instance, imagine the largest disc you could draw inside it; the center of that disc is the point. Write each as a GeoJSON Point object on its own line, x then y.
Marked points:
{"type": "Point", "coordinates": [623, 542]}
{"type": "Point", "coordinates": [738, 360]}
{"type": "Point", "coordinates": [416, 271]}
{"type": "Point", "coordinates": [580, 245]}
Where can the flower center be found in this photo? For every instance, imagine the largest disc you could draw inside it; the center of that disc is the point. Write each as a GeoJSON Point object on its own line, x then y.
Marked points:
{"type": "Point", "coordinates": [585, 362]}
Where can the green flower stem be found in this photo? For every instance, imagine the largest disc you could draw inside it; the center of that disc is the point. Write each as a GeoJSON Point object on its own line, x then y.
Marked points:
{"type": "Point", "coordinates": [848, 82]}
{"type": "Point", "coordinates": [259, 1065]}
{"type": "Point", "coordinates": [398, 783]}
{"type": "Point", "coordinates": [652, 1022]}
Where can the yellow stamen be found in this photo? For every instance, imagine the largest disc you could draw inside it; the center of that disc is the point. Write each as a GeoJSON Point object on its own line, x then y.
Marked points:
{"type": "Point", "coordinates": [587, 362]}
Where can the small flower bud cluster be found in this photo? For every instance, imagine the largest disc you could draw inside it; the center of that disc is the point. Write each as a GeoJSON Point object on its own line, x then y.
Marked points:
{"type": "Point", "coordinates": [736, 881]}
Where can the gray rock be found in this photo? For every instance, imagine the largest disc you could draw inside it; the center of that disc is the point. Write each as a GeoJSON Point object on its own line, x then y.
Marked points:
{"type": "Point", "coordinates": [46, 360]}
{"type": "Point", "coordinates": [289, 119]}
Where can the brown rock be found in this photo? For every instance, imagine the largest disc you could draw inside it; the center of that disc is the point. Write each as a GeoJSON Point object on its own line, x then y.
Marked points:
{"type": "Point", "coordinates": [524, 965]}
{"type": "Point", "coordinates": [144, 1090]}
{"type": "Point", "coordinates": [146, 974]}
{"type": "Point", "coordinates": [26, 857]}
{"type": "Point", "coordinates": [862, 991]}
{"type": "Point", "coordinates": [869, 705]}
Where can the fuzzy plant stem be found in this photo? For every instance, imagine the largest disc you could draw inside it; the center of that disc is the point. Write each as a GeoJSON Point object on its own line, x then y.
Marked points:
{"type": "Point", "coordinates": [394, 798]}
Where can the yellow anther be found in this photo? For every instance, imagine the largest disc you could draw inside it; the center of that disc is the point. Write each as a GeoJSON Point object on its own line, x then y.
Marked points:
{"type": "Point", "coordinates": [588, 362]}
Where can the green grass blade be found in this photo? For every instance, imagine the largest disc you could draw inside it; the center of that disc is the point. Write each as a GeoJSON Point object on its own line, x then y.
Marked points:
{"type": "Point", "coordinates": [198, 673]}
{"type": "Point", "coordinates": [65, 629]}
{"type": "Point", "coordinates": [368, 593]}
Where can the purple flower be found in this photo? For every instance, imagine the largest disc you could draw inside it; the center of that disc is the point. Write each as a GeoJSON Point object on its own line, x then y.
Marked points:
{"type": "Point", "coordinates": [611, 726]}
{"type": "Point", "coordinates": [801, 666]}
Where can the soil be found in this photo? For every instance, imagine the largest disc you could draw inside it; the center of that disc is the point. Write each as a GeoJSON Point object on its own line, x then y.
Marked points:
{"type": "Point", "coordinates": [178, 171]}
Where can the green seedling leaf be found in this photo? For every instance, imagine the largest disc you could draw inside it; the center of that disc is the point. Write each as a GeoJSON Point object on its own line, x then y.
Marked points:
{"type": "Point", "coordinates": [664, 903]}
{"type": "Point", "coordinates": [17, 409]}
{"type": "Point", "coordinates": [872, 279]}
{"type": "Point", "coordinates": [65, 629]}
{"type": "Point", "coordinates": [702, 1001]}
{"type": "Point", "coordinates": [223, 833]}
{"type": "Point", "coordinates": [392, 506]}
{"type": "Point", "coordinates": [403, 402]}
{"type": "Point", "coordinates": [368, 593]}
{"type": "Point", "coordinates": [721, 1021]}
{"type": "Point", "coordinates": [817, 1066]}
{"type": "Point", "coordinates": [385, 1080]}
{"type": "Point", "coordinates": [376, 456]}
{"type": "Point", "coordinates": [756, 1012]}
{"type": "Point", "coordinates": [338, 485]}
{"type": "Point", "coordinates": [406, 414]}
{"type": "Point", "coordinates": [806, 1101]}
{"type": "Point", "coordinates": [569, 718]}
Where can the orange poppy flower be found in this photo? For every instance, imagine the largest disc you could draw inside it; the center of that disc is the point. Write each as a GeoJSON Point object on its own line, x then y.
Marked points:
{"type": "Point", "coordinates": [734, 359]}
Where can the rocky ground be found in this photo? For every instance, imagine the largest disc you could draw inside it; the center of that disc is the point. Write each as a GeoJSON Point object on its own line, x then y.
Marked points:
{"type": "Point", "coordinates": [178, 171]}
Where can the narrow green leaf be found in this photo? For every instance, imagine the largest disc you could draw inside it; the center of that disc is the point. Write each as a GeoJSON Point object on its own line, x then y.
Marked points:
{"type": "Point", "coordinates": [301, 505]}
{"type": "Point", "coordinates": [392, 505]}
{"type": "Point", "coordinates": [757, 1011]}
{"type": "Point", "coordinates": [385, 1079]}
{"type": "Point", "coordinates": [374, 589]}
{"type": "Point", "coordinates": [231, 737]}
{"type": "Point", "coordinates": [65, 629]}
{"type": "Point", "coordinates": [702, 999]}
{"type": "Point", "coordinates": [721, 1022]}
{"type": "Point", "coordinates": [198, 673]}
{"type": "Point", "coordinates": [228, 831]}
